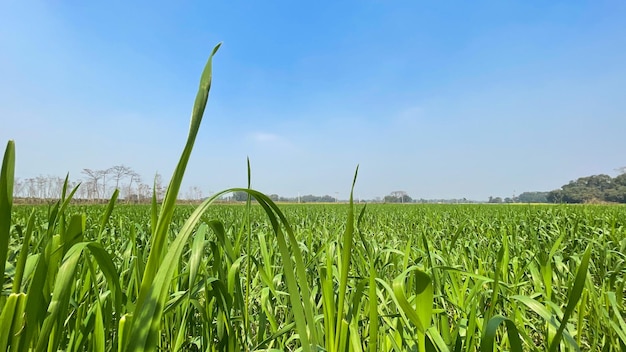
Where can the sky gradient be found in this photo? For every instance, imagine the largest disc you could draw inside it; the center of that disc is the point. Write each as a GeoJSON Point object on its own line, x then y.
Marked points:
{"type": "Point", "coordinates": [439, 99]}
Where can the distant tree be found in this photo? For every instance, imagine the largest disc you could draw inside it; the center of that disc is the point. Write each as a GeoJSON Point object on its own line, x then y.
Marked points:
{"type": "Point", "coordinates": [159, 189]}
{"type": "Point", "coordinates": [132, 177]}
{"type": "Point", "coordinates": [327, 199]}
{"type": "Point", "coordinates": [398, 197]}
{"type": "Point", "coordinates": [103, 174]}
{"type": "Point", "coordinates": [240, 196]}
{"type": "Point", "coordinates": [555, 196]}
{"type": "Point", "coordinates": [197, 191]}
{"type": "Point", "coordinates": [620, 180]}
{"type": "Point", "coordinates": [93, 177]}
{"type": "Point", "coordinates": [18, 187]}
{"type": "Point", "coordinates": [533, 197]}
{"type": "Point", "coordinates": [119, 173]}
{"type": "Point", "coordinates": [144, 192]}
{"type": "Point", "coordinates": [617, 194]}
{"type": "Point", "coordinates": [495, 199]}
{"type": "Point", "coordinates": [592, 188]}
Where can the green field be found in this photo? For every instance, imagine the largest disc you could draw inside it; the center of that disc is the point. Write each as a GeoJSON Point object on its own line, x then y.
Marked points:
{"type": "Point", "coordinates": [333, 277]}
{"type": "Point", "coordinates": [411, 276]}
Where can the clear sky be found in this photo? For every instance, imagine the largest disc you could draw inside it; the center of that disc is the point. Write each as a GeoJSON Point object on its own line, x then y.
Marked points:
{"type": "Point", "coordinates": [440, 99]}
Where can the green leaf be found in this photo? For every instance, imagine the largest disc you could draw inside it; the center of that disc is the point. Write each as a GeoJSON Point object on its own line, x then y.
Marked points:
{"type": "Point", "coordinates": [160, 229]}
{"type": "Point", "coordinates": [573, 298]}
{"type": "Point", "coordinates": [6, 202]}
{"type": "Point", "coordinates": [491, 330]}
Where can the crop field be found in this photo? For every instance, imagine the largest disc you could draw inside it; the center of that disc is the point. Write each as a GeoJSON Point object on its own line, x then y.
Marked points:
{"type": "Point", "coordinates": [406, 277]}
{"type": "Point", "coordinates": [331, 277]}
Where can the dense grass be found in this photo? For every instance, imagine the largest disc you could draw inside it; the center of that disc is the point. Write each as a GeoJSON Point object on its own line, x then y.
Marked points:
{"type": "Point", "coordinates": [415, 270]}
{"type": "Point", "coordinates": [307, 277]}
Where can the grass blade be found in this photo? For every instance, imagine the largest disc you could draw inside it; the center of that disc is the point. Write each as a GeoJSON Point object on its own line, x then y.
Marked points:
{"type": "Point", "coordinates": [489, 335]}
{"type": "Point", "coordinates": [573, 297]}
{"type": "Point", "coordinates": [7, 174]}
{"type": "Point", "coordinates": [167, 209]}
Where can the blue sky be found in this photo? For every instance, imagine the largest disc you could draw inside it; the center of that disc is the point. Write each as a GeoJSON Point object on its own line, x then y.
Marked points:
{"type": "Point", "coordinates": [440, 99]}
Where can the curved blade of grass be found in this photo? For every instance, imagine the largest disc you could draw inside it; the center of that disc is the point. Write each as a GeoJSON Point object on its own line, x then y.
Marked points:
{"type": "Point", "coordinates": [489, 335]}
{"type": "Point", "coordinates": [19, 323]}
{"type": "Point", "coordinates": [11, 315]}
{"type": "Point", "coordinates": [620, 329]}
{"type": "Point", "coordinates": [7, 173]}
{"type": "Point", "coordinates": [146, 323]}
{"type": "Point", "coordinates": [421, 315]}
{"type": "Point", "coordinates": [543, 312]}
{"type": "Point", "coordinates": [21, 261]}
{"type": "Point", "coordinates": [572, 298]}
{"type": "Point", "coordinates": [197, 250]}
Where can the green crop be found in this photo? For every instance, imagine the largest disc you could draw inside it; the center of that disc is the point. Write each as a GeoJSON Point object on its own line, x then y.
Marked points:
{"type": "Point", "coordinates": [335, 277]}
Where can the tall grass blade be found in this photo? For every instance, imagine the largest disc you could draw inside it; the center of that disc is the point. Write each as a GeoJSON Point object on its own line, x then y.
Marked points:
{"type": "Point", "coordinates": [572, 298]}
{"type": "Point", "coordinates": [7, 173]}
{"type": "Point", "coordinates": [489, 335]}
{"type": "Point", "coordinates": [159, 233]}
{"type": "Point", "coordinates": [346, 253]}
{"type": "Point", "coordinates": [21, 261]}
{"type": "Point", "coordinates": [421, 315]}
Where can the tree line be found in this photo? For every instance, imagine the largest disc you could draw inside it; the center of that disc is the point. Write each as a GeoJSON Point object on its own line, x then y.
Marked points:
{"type": "Point", "coordinates": [588, 189]}
{"type": "Point", "coordinates": [596, 188]}
{"type": "Point", "coordinates": [98, 185]}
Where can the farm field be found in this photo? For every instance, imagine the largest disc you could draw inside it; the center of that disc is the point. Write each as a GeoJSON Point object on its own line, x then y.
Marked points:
{"type": "Point", "coordinates": [398, 278]}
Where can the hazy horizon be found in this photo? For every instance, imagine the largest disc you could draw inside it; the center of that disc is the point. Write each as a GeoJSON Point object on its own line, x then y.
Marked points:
{"type": "Point", "coordinates": [441, 100]}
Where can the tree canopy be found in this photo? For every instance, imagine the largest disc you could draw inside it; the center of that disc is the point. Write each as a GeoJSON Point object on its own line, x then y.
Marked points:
{"type": "Point", "coordinates": [603, 188]}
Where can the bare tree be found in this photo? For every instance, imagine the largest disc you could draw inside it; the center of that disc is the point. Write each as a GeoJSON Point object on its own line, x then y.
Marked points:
{"type": "Point", "coordinates": [93, 176]}
{"type": "Point", "coordinates": [193, 193]}
{"type": "Point", "coordinates": [120, 172]}
{"type": "Point", "coordinates": [81, 193]}
{"type": "Point", "coordinates": [40, 183]}
{"type": "Point", "coordinates": [143, 191]}
{"type": "Point", "coordinates": [104, 174]}
{"type": "Point", "coordinates": [197, 192]}
{"type": "Point", "coordinates": [133, 176]}
{"type": "Point", "coordinates": [189, 195]}
{"type": "Point", "coordinates": [158, 186]}
{"type": "Point", "coordinates": [18, 187]}
{"type": "Point", "coordinates": [31, 188]}
{"type": "Point", "coordinates": [55, 186]}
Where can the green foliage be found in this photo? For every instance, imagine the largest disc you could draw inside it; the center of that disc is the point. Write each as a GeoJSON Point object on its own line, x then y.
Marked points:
{"type": "Point", "coordinates": [398, 197]}
{"type": "Point", "coordinates": [591, 189]}
{"type": "Point", "coordinates": [533, 197]}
